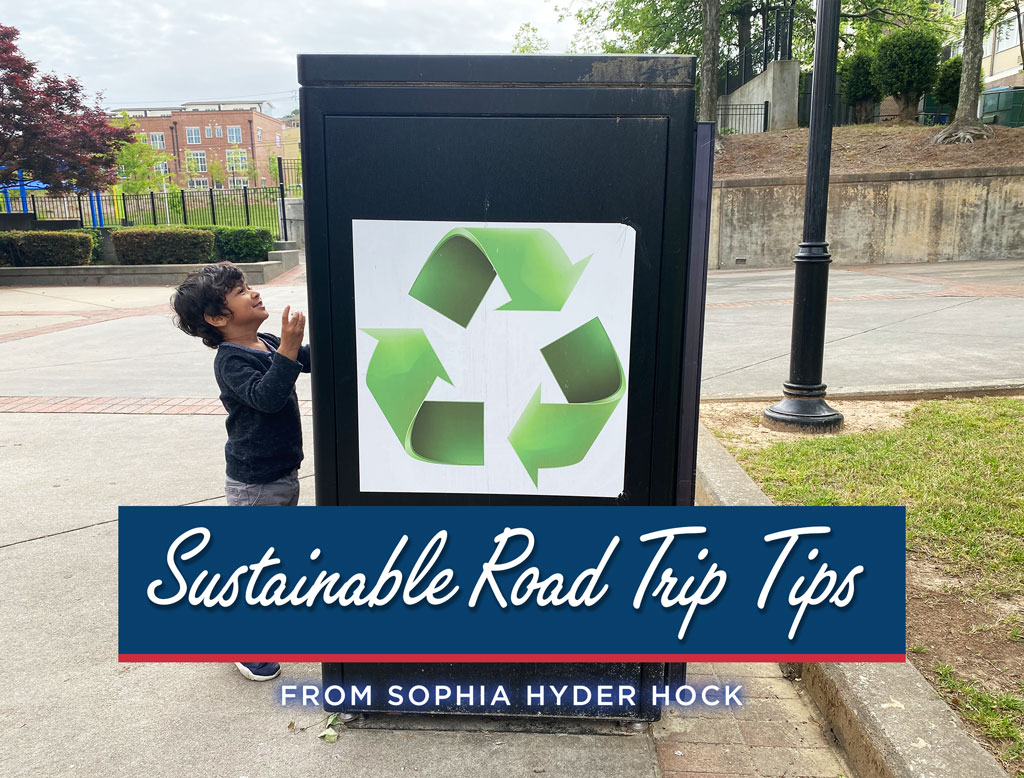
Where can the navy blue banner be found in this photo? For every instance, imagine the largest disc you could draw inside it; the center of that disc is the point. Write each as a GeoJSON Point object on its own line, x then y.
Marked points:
{"type": "Point", "coordinates": [511, 583]}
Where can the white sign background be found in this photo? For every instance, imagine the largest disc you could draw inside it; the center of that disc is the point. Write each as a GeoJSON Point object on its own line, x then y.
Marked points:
{"type": "Point", "coordinates": [496, 359]}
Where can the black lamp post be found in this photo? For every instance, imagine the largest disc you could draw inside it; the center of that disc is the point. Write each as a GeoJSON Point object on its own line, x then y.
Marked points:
{"type": "Point", "coordinates": [803, 407]}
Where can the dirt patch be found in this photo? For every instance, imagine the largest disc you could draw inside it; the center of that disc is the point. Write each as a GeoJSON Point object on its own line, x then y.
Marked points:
{"type": "Point", "coordinates": [863, 149]}
{"type": "Point", "coordinates": [740, 423]}
{"type": "Point", "coordinates": [972, 635]}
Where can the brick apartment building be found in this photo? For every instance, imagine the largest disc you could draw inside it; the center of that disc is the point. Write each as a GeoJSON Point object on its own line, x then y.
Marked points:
{"type": "Point", "coordinates": [197, 134]}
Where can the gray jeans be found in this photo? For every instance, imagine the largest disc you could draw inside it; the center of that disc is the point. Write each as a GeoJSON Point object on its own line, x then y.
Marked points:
{"type": "Point", "coordinates": [283, 491]}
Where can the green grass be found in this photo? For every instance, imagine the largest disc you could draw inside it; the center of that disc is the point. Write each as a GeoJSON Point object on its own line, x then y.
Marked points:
{"type": "Point", "coordinates": [999, 716]}
{"type": "Point", "coordinates": [957, 465]}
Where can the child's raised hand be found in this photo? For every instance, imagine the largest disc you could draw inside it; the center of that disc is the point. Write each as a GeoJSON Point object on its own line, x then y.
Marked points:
{"type": "Point", "coordinates": [293, 325]}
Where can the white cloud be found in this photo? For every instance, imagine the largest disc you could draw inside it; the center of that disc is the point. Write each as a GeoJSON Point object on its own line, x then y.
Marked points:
{"type": "Point", "coordinates": [145, 54]}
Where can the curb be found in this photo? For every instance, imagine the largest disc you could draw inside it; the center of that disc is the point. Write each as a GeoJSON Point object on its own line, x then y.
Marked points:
{"type": "Point", "coordinates": [279, 261]}
{"type": "Point", "coordinates": [887, 717]}
{"type": "Point", "coordinates": [1010, 386]}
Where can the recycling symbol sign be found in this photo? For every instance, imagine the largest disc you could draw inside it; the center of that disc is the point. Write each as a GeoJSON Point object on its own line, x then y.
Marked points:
{"type": "Point", "coordinates": [494, 354]}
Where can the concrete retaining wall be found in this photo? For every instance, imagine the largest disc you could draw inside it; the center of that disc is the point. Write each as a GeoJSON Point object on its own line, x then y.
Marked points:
{"type": "Point", "coordinates": [874, 218]}
{"type": "Point", "coordinates": [284, 258]}
{"type": "Point", "coordinates": [780, 86]}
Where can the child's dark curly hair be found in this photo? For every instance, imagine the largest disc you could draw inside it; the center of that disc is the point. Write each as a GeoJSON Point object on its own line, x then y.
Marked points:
{"type": "Point", "coordinates": [201, 294]}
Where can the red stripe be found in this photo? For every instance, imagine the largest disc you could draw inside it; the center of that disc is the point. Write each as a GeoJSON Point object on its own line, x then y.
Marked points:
{"type": "Point", "coordinates": [511, 657]}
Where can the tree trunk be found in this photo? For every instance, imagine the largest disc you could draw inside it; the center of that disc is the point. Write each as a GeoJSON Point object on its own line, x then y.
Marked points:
{"type": "Point", "coordinates": [966, 126]}
{"type": "Point", "coordinates": [743, 14]}
{"type": "Point", "coordinates": [864, 111]}
{"type": "Point", "coordinates": [710, 24]}
{"type": "Point", "coordinates": [908, 106]}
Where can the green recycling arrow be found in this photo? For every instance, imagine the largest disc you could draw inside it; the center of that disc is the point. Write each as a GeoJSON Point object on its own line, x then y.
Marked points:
{"type": "Point", "coordinates": [532, 266]}
{"type": "Point", "coordinates": [588, 370]}
{"type": "Point", "coordinates": [401, 372]}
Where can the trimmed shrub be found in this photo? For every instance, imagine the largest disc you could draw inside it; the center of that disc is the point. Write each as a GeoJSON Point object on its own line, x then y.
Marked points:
{"type": "Point", "coordinates": [947, 87]}
{"type": "Point", "coordinates": [906, 66]}
{"type": "Point", "coordinates": [859, 89]}
{"type": "Point", "coordinates": [153, 246]}
{"type": "Point", "coordinates": [7, 248]}
{"type": "Point", "coordinates": [97, 243]}
{"type": "Point", "coordinates": [241, 244]}
{"type": "Point", "coordinates": [44, 249]}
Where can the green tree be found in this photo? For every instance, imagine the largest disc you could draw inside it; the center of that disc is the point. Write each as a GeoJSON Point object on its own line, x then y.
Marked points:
{"type": "Point", "coordinates": [966, 126]}
{"type": "Point", "coordinates": [906, 66]}
{"type": "Point", "coordinates": [138, 162]}
{"type": "Point", "coordinates": [859, 88]}
{"type": "Point", "coordinates": [528, 40]}
{"type": "Point", "coordinates": [947, 87]}
{"type": "Point", "coordinates": [714, 28]}
{"type": "Point", "coordinates": [272, 168]}
{"type": "Point", "coordinates": [253, 173]}
{"type": "Point", "coordinates": [217, 172]}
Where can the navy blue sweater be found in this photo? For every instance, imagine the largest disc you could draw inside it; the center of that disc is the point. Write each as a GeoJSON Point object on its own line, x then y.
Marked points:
{"type": "Point", "coordinates": [258, 392]}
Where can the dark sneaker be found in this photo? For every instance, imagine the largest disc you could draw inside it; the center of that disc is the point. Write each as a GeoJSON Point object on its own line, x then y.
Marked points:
{"type": "Point", "coordinates": [259, 671]}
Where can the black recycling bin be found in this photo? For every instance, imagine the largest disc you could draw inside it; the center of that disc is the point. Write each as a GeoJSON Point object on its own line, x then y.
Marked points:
{"type": "Point", "coordinates": [506, 261]}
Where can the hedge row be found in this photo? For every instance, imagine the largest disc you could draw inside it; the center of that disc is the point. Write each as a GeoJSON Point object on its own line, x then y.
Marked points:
{"type": "Point", "coordinates": [241, 244]}
{"type": "Point", "coordinates": [40, 248]}
{"type": "Point", "coordinates": [137, 246]}
{"type": "Point", "coordinates": [163, 246]}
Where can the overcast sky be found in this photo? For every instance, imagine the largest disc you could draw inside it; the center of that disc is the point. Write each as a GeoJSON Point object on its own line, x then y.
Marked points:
{"type": "Point", "coordinates": [144, 54]}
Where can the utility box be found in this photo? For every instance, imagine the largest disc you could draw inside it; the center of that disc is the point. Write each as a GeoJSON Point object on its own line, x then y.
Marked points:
{"type": "Point", "coordinates": [506, 261]}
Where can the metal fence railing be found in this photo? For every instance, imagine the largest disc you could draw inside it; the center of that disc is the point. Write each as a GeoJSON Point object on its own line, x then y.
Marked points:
{"type": "Point", "coordinates": [245, 207]}
{"type": "Point", "coordinates": [743, 119]}
{"type": "Point", "coordinates": [842, 112]}
{"type": "Point", "coordinates": [290, 174]}
{"type": "Point", "coordinates": [774, 43]}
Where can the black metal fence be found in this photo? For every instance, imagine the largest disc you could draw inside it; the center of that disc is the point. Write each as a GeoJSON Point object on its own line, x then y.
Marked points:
{"type": "Point", "coordinates": [743, 119]}
{"type": "Point", "coordinates": [290, 174]}
{"type": "Point", "coordinates": [842, 112]}
{"type": "Point", "coordinates": [775, 43]}
{"type": "Point", "coordinates": [246, 207]}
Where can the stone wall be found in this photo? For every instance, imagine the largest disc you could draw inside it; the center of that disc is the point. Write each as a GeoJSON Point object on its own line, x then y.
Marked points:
{"type": "Point", "coordinates": [873, 218]}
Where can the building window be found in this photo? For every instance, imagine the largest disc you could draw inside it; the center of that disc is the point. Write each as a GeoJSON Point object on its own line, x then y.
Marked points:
{"type": "Point", "coordinates": [198, 183]}
{"type": "Point", "coordinates": [277, 137]}
{"type": "Point", "coordinates": [122, 172]}
{"type": "Point", "coordinates": [220, 131]}
{"type": "Point", "coordinates": [237, 159]}
{"type": "Point", "coordinates": [208, 131]}
{"type": "Point", "coordinates": [192, 135]}
{"type": "Point", "coordinates": [1007, 35]}
{"type": "Point", "coordinates": [218, 185]}
{"type": "Point", "coordinates": [957, 49]}
{"type": "Point", "coordinates": [161, 167]}
{"type": "Point", "coordinates": [142, 137]}
{"type": "Point", "coordinates": [259, 133]}
{"type": "Point", "coordinates": [959, 7]}
{"type": "Point", "coordinates": [156, 140]}
{"type": "Point", "coordinates": [195, 161]}
{"type": "Point", "coordinates": [234, 134]}
{"type": "Point", "coordinates": [238, 183]}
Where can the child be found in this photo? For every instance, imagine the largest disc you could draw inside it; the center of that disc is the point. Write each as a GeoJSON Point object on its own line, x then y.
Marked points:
{"type": "Point", "coordinates": [256, 373]}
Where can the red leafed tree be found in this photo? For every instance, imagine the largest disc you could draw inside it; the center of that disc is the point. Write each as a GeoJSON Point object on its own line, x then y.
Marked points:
{"type": "Point", "coordinates": [47, 130]}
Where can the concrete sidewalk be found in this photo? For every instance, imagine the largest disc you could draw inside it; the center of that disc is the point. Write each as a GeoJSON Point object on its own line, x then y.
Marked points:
{"type": "Point", "coordinates": [95, 412]}
{"type": "Point", "coordinates": [887, 325]}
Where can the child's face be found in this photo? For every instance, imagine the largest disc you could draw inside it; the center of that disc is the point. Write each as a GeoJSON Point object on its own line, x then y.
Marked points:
{"type": "Point", "coordinates": [245, 305]}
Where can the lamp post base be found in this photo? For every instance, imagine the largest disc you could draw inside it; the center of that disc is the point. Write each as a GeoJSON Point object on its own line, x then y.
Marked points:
{"type": "Point", "coordinates": [803, 414]}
